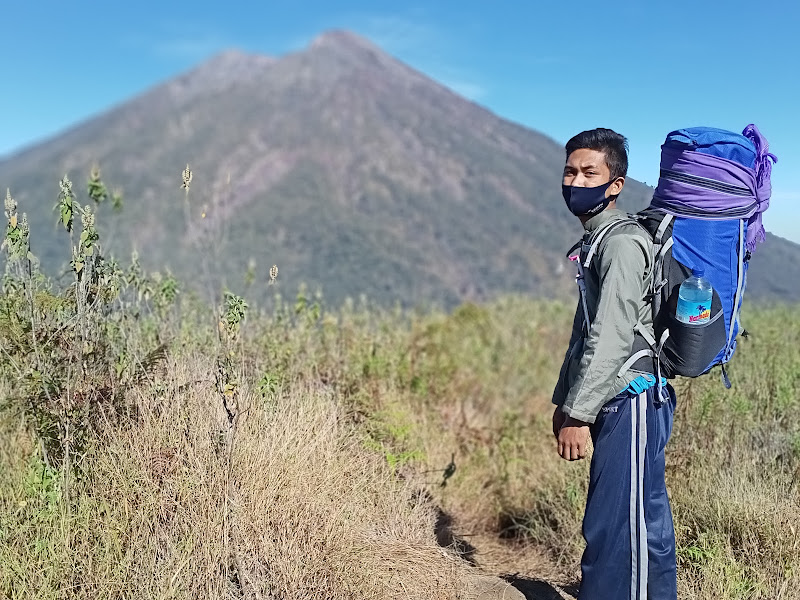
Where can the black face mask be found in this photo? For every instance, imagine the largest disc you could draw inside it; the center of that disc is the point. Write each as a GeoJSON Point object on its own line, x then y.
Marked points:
{"type": "Point", "coordinates": [583, 201]}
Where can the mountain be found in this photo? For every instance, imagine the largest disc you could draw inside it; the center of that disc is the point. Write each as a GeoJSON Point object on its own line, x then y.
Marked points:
{"type": "Point", "coordinates": [348, 169]}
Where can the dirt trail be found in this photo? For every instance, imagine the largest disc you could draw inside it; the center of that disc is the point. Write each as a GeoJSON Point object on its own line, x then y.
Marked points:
{"type": "Point", "coordinates": [516, 573]}
{"type": "Point", "coordinates": [496, 588]}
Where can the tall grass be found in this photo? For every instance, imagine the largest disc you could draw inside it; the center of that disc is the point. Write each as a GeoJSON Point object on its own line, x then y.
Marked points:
{"type": "Point", "coordinates": [303, 510]}
{"type": "Point", "coordinates": [360, 452]}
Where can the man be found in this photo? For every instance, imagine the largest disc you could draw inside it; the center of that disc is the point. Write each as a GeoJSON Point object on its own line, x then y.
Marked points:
{"type": "Point", "coordinates": [606, 387]}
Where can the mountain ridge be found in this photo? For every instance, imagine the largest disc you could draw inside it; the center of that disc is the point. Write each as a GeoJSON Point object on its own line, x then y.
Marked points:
{"type": "Point", "coordinates": [347, 168]}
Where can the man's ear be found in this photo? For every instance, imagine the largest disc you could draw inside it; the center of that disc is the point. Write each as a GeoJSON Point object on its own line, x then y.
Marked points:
{"type": "Point", "coordinates": [615, 188]}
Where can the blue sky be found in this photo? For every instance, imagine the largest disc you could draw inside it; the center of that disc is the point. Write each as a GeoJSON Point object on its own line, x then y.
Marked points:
{"type": "Point", "coordinates": [641, 67]}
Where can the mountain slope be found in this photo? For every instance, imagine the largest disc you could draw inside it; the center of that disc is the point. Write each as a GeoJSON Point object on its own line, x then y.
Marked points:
{"type": "Point", "coordinates": [343, 166]}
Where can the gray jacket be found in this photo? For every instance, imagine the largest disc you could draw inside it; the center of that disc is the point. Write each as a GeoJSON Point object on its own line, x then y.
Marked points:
{"type": "Point", "coordinates": [617, 282]}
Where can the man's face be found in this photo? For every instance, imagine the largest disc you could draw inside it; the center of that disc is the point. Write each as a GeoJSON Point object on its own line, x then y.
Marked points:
{"type": "Point", "coordinates": [586, 168]}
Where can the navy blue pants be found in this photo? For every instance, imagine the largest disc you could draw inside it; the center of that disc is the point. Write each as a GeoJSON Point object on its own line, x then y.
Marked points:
{"type": "Point", "coordinates": [630, 539]}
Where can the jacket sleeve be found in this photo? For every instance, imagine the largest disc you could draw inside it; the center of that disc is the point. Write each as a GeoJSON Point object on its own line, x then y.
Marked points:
{"type": "Point", "coordinates": [621, 264]}
{"type": "Point", "coordinates": [560, 391]}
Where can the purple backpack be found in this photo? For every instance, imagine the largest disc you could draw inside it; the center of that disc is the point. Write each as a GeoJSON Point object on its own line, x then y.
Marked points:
{"type": "Point", "coordinates": [705, 213]}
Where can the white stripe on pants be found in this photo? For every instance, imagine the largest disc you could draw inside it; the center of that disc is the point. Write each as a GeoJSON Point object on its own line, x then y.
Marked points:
{"type": "Point", "coordinates": [636, 512]}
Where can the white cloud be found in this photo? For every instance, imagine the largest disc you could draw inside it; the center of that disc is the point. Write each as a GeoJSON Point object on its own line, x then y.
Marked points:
{"type": "Point", "coordinates": [468, 89]}
{"type": "Point", "coordinates": [192, 47]}
{"type": "Point", "coordinates": [398, 35]}
{"type": "Point", "coordinates": [184, 42]}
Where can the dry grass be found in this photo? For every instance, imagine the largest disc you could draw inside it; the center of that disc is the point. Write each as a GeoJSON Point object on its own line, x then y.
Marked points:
{"type": "Point", "coordinates": [330, 486]}
{"type": "Point", "coordinates": [738, 533]}
{"type": "Point", "coordinates": [305, 511]}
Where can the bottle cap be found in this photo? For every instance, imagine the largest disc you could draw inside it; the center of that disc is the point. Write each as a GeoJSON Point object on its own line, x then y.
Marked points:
{"type": "Point", "coordinates": [698, 271]}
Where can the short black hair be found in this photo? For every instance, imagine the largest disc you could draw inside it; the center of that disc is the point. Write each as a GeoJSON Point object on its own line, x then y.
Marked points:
{"type": "Point", "coordinates": [613, 145]}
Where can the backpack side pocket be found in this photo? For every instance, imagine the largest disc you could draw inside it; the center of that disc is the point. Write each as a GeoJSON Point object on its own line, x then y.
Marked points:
{"type": "Point", "coordinates": [691, 349]}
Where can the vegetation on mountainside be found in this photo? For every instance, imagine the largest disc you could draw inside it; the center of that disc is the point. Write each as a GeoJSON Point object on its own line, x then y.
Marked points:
{"type": "Point", "coordinates": [342, 165]}
{"type": "Point", "coordinates": [151, 446]}
{"type": "Point", "coordinates": [339, 163]}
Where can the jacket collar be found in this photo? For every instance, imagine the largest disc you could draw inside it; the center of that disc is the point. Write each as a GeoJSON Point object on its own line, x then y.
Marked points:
{"type": "Point", "coordinates": [603, 217]}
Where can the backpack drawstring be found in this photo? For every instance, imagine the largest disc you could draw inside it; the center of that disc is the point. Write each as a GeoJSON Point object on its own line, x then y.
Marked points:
{"type": "Point", "coordinates": [763, 169]}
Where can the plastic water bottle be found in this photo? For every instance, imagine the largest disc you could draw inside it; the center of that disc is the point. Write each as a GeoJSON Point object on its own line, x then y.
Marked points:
{"type": "Point", "coordinates": [694, 299]}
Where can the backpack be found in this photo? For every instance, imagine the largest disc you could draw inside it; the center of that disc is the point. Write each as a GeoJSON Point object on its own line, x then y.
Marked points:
{"type": "Point", "coordinates": [705, 213]}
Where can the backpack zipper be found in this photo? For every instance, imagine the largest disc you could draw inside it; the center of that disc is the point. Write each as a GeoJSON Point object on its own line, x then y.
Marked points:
{"type": "Point", "coordinates": [704, 182]}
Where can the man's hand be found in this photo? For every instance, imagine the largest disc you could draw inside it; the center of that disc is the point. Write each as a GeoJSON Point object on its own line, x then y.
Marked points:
{"type": "Point", "coordinates": [558, 420]}
{"type": "Point", "coordinates": [573, 438]}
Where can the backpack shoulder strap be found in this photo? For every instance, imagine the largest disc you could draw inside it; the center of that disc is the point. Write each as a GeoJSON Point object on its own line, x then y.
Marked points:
{"type": "Point", "coordinates": [660, 249]}
{"type": "Point", "coordinates": [603, 232]}
{"type": "Point", "coordinates": [580, 281]}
